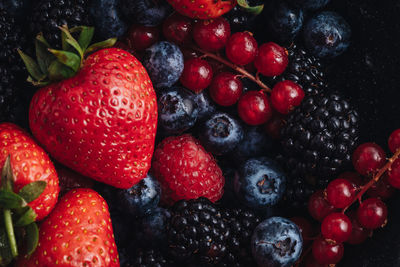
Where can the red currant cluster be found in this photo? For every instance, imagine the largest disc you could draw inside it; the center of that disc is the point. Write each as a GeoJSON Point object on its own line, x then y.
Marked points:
{"type": "Point", "coordinates": [376, 177]}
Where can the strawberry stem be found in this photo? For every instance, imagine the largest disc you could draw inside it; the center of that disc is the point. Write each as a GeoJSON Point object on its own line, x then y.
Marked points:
{"type": "Point", "coordinates": [10, 232]}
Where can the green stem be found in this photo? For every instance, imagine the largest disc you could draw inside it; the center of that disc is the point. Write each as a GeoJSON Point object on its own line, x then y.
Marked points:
{"type": "Point", "coordinates": [10, 232]}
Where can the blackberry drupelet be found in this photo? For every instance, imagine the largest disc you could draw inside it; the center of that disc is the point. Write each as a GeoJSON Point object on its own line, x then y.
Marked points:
{"type": "Point", "coordinates": [197, 232]}
{"type": "Point", "coordinates": [48, 15]}
{"type": "Point", "coordinates": [149, 258]}
{"type": "Point", "coordinates": [8, 93]}
{"type": "Point", "coordinates": [319, 136]}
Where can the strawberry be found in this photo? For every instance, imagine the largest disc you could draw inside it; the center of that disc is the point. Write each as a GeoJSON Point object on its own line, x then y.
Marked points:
{"type": "Point", "coordinates": [186, 170]}
{"type": "Point", "coordinates": [29, 163]}
{"type": "Point", "coordinates": [99, 118]}
{"type": "Point", "coordinates": [203, 9]}
{"type": "Point", "coordinates": [77, 233]}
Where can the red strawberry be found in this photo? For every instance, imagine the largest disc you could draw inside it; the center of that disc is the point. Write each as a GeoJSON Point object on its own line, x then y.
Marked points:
{"type": "Point", "coordinates": [77, 233]}
{"type": "Point", "coordinates": [29, 164]}
{"type": "Point", "coordinates": [203, 9]}
{"type": "Point", "coordinates": [102, 121]}
{"type": "Point", "coordinates": [186, 170]}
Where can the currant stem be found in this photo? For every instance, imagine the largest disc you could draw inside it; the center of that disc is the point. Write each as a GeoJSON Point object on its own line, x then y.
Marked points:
{"type": "Point", "coordinates": [241, 70]}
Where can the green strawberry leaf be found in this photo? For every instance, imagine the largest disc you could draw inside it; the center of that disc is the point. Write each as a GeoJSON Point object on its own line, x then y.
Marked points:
{"type": "Point", "coordinates": [32, 238]}
{"type": "Point", "coordinates": [255, 10]}
{"type": "Point", "coordinates": [58, 71]}
{"type": "Point", "coordinates": [32, 191]}
{"type": "Point", "coordinates": [32, 67]}
{"type": "Point", "coordinates": [104, 44]}
{"type": "Point", "coordinates": [27, 216]}
{"type": "Point", "coordinates": [10, 200]}
{"type": "Point", "coordinates": [71, 40]}
{"type": "Point", "coordinates": [85, 36]}
{"type": "Point", "coordinates": [43, 56]}
{"type": "Point", "coordinates": [69, 59]}
{"type": "Point", "coordinates": [7, 178]}
{"type": "Point", "coordinates": [5, 249]}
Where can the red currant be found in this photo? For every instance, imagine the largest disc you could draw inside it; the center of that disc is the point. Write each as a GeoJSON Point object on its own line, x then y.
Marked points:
{"type": "Point", "coordinates": [336, 226]}
{"type": "Point", "coordinates": [327, 252]}
{"type": "Point", "coordinates": [197, 74]}
{"type": "Point", "coordinates": [211, 35]}
{"type": "Point", "coordinates": [286, 95]}
{"type": "Point", "coordinates": [372, 213]}
{"type": "Point", "coordinates": [318, 207]}
{"type": "Point", "coordinates": [394, 141]}
{"type": "Point", "coordinates": [241, 48]}
{"type": "Point", "coordinates": [226, 89]}
{"type": "Point", "coordinates": [394, 174]}
{"type": "Point", "coordinates": [340, 193]}
{"type": "Point", "coordinates": [141, 37]}
{"type": "Point", "coordinates": [271, 60]}
{"type": "Point", "coordinates": [352, 177]}
{"type": "Point", "coordinates": [274, 125]}
{"type": "Point", "coordinates": [382, 189]}
{"type": "Point", "coordinates": [305, 228]}
{"type": "Point", "coordinates": [254, 108]}
{"type": "Point", "coordinates": [368, 158]}
{"type": "Point", "coordinates": [178, 29]}
{"type": "Point", "coordinates": [358, 233]}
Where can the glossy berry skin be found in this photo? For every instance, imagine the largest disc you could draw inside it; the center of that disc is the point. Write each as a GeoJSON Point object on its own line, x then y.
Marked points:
{"type": "Point", "coordinates": [340, 193]}
{"type": "Point", "coordinates": [164, 63]}
{"type": "Point", "coordinates": [145, 12]}
{"type": "Point", "coordinates": [286, 95]}
{"type": "Point", "coordinates": [142, 37]}
{"type": "Point", "coordinates": [259, 183]}
{"type": "Point", "coordinates": [211, 35]}
{"type": "Point", "coordinates": [202, 9]}
{"type": "Point", "coordinates": [372, 213]}
{"type": "Point", "coordinates": [394, 141]}
{"type": "Point", "coordinates": [326, 252]}
{"type": "Point", "coordinates": [276, 242]}
{"type": "Point", "coordinates": [225, 89]}
{"type": "Point", "coordinates": [254, 108]}
{"type": "Point", "coordinates": [241, 48]}
{"type": "Point", "coordinates": [336, 226]}
{"type": "Point", "coordinates": [186, 170]}
{"type": "Point", "coordinates": [368, 158]}
{"type": "Point", "coordinates": [178, 29]}
{"type": "Point", "coordinates": [327, 34]}
{"type": "Point", "coordinates": [358, 233]}
{"type": "Point", "coordinates": [318, 206]}
{"type": "Point", "coordinates": [197, 74]}
{"type": "Point", "coordinates": [272, 59]}
{"type": "Point", "coordinates": [394, 174]}
{"type": "Point", "coordinates": [352, 177]}
{"type": "Point", "coordinates": [221, 133]}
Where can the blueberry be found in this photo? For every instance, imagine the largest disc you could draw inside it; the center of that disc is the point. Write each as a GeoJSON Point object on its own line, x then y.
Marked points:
{"type": "Point", "coordinates": [205, 104]}
{"type": "Point", "coordinates": [164, 63]}
{"type": "Point", "coordinates": [276, 242]}
{"type": "Point", "coordinates": [141, 199]}
{"type": "Point", "coordinates": [107, 18]}
{"type": "Point", "coordinates": [260, 183]}
{"type": "Point", "coordinates": [327, 34]}
{"type": "Point", "coordinates": [221, 133]}
{"type": "Point", "coordinates": [310, 4]}
{"type": "Point", "coordinates": [177, 110]}
{"type": "Point", "coordinates": [146, 12]}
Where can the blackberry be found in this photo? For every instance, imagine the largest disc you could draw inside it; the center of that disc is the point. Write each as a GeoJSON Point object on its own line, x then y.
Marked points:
{"type": "Point", "coordinates": [319, 136]}
{"type": "Point", "coordinates": [149, 258]}
{"type": "Point", "coordinates": [197, 232]}
{"type": "Point", "coordinates": [48, 15]}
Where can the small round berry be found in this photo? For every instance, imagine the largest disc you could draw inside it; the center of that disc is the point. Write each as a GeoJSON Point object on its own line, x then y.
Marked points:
{"type": "Point", "coordinates": [318, 207]}
{"type": "Point", "coordinates": [368, 158]}
{"type": "Point", "coordinates": [241, 48]}
{"type": "Point", "coordinates": [197, 74]}
{"type": "Point", "coordinates": [340, 193]}
{"type": "Point", "coordinates": [382, 189]}
{"type": "Point", "coordinates": [394, 174]}
{"type": "Point", "coordinates": [372, 213]}
{"type": "Point", "coordinates": [272, 59]}
{"type": "Point", "coordinates": [358, 233]}
{"type": "Point", "coordinates": [336, 226]}
{"type": "Point", "coordinates": [327, 252]}
{"type": "Point", "coordinates": [211, 35]}
{"type": "Point", "coordinates": [178, 29]}
{"type": "Point", "coordinates": [226, 89]}
{"type": "Point", "coordinates": [352, 177]}
{"type": "Point", "coordinates": [286, 95]}
{"type": "Point", "coordinates": [274, 125]}
{"type": "Point", "coordinates": [254, 108]}
{"type": "Point", "coordinates": [142, 37]}
{"type": "Point", "coordinates": [394, 141]}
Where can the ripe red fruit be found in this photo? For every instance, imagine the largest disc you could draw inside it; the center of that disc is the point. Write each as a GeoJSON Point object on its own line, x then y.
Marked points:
{"type": "Point", "coordinates": [286, 95]}
{"type": "Point", "coordinates": [326, 252]}
{"type": "Point", "coordinates": [305, 227]}
{"type": "Point", "coordinates": [226, 89]}
{"type": "Point", "coordinates": [368, 158]}
{"type": "Point", "coordinates": [178, 29]}
{"type": "Point", "coordinates": [272, 59]}
{"type": "Point", "coordinates": [186, 170]}
{"type": "Point", "coordinates": [394, 141]}
{"type": "Point", "coordinates": [358, 233]}
{"type": "Point", "coordinates": [241, 48]}
{"type": "Point", "coordinates": [340, 193]}
{"type": "Point", "coordinates": [372, 213]}
{"type": "Point", "coordinates": [197, 74]}
{"type": "Point", "coordinates": [141, 37]}
{"type": "Point", "coordinates": [337, 227]}
{"type": "Point", "coordinates": [381, 189]}
{"type": "Point", "coordinates": [274, 125]}
{"type": "Point", "coordinates": [202, 9]}
{"type": "Point", "coordinates": [352, 177]}
{"type": "Point", "coordinates": [318, 206]}
{"type": "Point", "coordinates": [211, 35]}
{"type": "Point", "coordinates": [394, 174]}
{"type": "Point", "coordinates": [254, 108]}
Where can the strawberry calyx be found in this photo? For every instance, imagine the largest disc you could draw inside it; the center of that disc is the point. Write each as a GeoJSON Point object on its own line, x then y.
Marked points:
{"type": "Point", "coordinates": [54, 65]}
{"type": "Point", "coordinates": [18, 230]}
{"type": "Point", "coordinates": [255, 10]}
